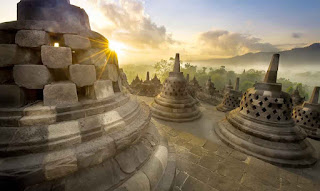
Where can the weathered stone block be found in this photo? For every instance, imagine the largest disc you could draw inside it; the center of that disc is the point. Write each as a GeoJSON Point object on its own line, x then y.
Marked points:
{"type": "Point", "coordinates": [60, 94]}
{"type": "Point", "coordinates": [108, 72]}
{"type": "Point", "coordinates": [31, 76]}
{"type": "Point", "coordinates": [76, 42]}
{"type": "Point", "coordinates": [6, 75]}
{"type": "Point", "coordinates": [82, 75]}
{"type": "Point", "coordinates": [31, 38]}
{"type": "Point", "coordinates": [93, 56]}
{"type": "Point", "coordinates": [56, 57]}
{"type": "Point", "coordinates": [101, 89]}
{"type": "Point", "coordinates": [7, 37]}
{"type": "Point", "coordinates": [11, 96]}
{"type": "Point", "coordinates": [11, 54]}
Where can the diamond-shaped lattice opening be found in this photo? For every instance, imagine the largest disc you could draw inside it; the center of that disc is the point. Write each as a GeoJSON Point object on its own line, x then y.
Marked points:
{"type": "Point", "coordinates": [260, 103]}
{"type": "Point", "coordinates": [279, 118]}
{"type": "Point", "coordinates": [254, 107]}
{"type": "Point", "coordinates": [258, 114]}
{"type": "Point", "coordinates": [270, 105]}
{"type": "Point", "coordinates": [279, 106]}
{"type": "Point", "coordinates": [265, 99]}
{"type": "Point", "coordinates": [304, 112]}
{"type": "Point", "coordinates": [304, 123]}
{"type": "Point", "coordinates": [312, 125]}
{"type": "Point", "coordinates": [248, 111]}
{"type": "Point", "coordinates": [251, 100]}
{"type": "Point", "coordinates": [298, 121]}
{"type": "Point", "coordinates": [264, 109]}
{"type": "Point", "coordinates": [246, 105]}
{"type": "Point", "coordinates": [307, 116]}
{"type": "Point", "coordinates": [309, 120]}
{"type": "Point", "coordinates": [284, 112]}
{"type": "Point", "coordinates": [276, 100]}
{"type": "Point", "coordinates": [269, 117]}
{"type": "Point", "coordinates": [241, 109]}
{"type": "Point", "coordinates": [257, 96]}
{"type": "Point", "coordinates": [275, 111]}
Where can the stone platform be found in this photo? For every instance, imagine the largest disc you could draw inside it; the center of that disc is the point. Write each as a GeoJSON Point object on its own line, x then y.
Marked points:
{"type": "Point", "coordinates": [206, 163]}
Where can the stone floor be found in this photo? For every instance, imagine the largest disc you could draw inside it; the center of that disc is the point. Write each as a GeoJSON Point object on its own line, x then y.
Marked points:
{"type": "Point", "coordinates": [205, 163]}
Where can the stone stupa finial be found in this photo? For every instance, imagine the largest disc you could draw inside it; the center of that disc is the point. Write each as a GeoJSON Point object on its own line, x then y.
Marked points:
{"type": "Point", "coordinates": [272, 73]}
{"type": "Point", "coordinates": [148, 77]}
{"type": "Point", "coordinates": [176, 67]}
{"type": "Point", "coordinates": [237, 84]}
{"type": "Point", "coordinates": [315, 95]}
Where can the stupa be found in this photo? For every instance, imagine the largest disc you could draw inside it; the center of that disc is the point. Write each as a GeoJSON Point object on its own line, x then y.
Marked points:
{"type": "Point", "coordinates": [209, 94]}
{"type": "Point", "coordinates": [296, 98]}
{"type": "Point", "coordinates": [136, 83]}
{"type": "Point", "coordinates": [231, 98]}
{"type": "Point", "coordinates": [307, 116]}
{"type": "Point", "coordinates": [147, 88]}
{"type": "Point", "coordinates": [209, 88]}
{"type": "Point", "coordinates": [174, 103]}
{"type": "Point", "coordinates": [262, 126]}
{"type": "Point", "coordinates": [228, 87]}
{"type": "Point", "coordinates": [64, 122]}
{"type": "Point", "coordinates": [193, 87]}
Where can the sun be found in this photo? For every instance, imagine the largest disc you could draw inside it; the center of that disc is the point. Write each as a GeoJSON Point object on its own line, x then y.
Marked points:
{"type": "Point", "coordinates": [117, 47]}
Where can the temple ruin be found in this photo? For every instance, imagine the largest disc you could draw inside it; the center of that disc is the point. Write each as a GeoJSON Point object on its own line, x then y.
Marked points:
{"type": "Point", "coordinates": [65, 123]}
{"type": "Point", "coordinates": [148, 88]}
{"type": "Point", "coordinates": [307, 116]}
{"type": "Point", "coordinates": [231, 98]}
{"type": "Point", "coordinates": [174, 103]}
{"type": "Point", "coordinates": [262, 126]}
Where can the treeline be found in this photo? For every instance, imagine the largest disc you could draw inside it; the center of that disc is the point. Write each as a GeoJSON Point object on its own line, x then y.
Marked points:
{"type": "Point", "coordinates": [220, 77]}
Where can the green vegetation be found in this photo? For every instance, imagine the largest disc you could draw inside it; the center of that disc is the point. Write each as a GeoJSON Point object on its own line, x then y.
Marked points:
{"type": "Point", "coordinates": [220, 77]}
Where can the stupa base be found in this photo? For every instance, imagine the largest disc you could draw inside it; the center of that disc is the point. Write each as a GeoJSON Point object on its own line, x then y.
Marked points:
{"type": "Point", "coordinates": [295, 153]}
{"type": "Point", "coordinates": [223, 108]}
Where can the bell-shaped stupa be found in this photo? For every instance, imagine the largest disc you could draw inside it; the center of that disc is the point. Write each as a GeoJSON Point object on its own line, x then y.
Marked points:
{"type": "Point", "coordinates": [307, 116]}
{"type": "Point", "coordinates": [174, 103]}
{"type": "Point", "coordinates": [262, 126]}
{"type": "Point", "coordinates": [296, 98]}
{"type": "Point", "coordinates": [65, 123]}
{"type": "Point", "coordinates": [231, 98]}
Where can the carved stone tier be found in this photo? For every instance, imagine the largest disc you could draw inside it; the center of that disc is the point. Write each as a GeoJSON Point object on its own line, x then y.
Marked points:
{"type": "Point", "coordinates": [231, 99]}
{"type": "Point", "coordinates": [90, 145]}
{"type": "Point", "coordinates": [262, 126]}
{"type": "Point", "coordinates": [174, 103]}
{"type": "Point", "coordinates": [307, 116]}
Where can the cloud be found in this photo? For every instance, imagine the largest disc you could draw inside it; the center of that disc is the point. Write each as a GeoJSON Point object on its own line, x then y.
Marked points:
{"type": "Point", "coordinates": [225, 43]}
{"type": "Point", "coordinates": [127, 22]}
{"type": "Point", "coordinates": [296, 35]}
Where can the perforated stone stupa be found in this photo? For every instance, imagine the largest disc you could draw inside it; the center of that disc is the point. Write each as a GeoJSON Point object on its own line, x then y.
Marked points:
{"type": "Point", "coordinates": [64, 122]}
{"type": "Point", "coordinates": [209, 94]}
{"type": "Point", "coordinates": [307, 116]}
{"type": "Point", "coordinates": [262, 126]}
{"type": "Point", "coordinates": [174, 103]}
{"type": "Point", "coordinates": [231, 98]}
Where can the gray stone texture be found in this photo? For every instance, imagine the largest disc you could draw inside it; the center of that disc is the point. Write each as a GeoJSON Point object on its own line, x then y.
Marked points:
{"type": "Point", "coordinates": [11, 96]}
{"type": "Point", "coordinates": [93, 56]}
{"type": "Point", "coordinates": [82, 75]}
{"type": "Point", "coordinates": [62, 93]}
{"type": "Point", "coordinates": [101, 89]}
{"type": "Point", "coordinates": [76, 42]}
{"type": "Point", "coordinates": [31, 76]}
{"type": "Point", "coordinates": [11, 54]}
{"type": "Point", "coordinates": [56, 57]}
{"type": "Point", "coordinates": [31, 38]}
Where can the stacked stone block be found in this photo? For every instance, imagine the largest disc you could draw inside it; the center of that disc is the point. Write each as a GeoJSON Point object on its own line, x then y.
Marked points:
{"type": "Point", "coordinates": [262, 126]}
{"type": "Point", "coordinates": [64, 122]}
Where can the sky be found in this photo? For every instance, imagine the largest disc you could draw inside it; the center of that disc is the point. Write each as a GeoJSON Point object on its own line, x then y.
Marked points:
{"type": "Point", "coordinates": [150, 30]}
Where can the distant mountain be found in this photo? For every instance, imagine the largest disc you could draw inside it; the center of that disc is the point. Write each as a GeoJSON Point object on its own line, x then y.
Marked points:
{"type": "Point", "coordinates": [309, 55]}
